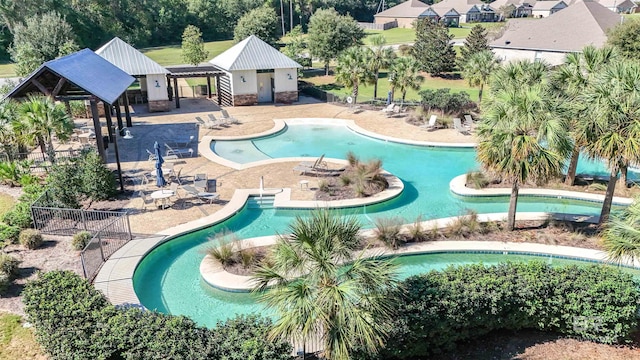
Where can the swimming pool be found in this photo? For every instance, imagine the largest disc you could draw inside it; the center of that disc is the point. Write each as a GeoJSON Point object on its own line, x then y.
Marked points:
{"type": "Point", "coordinates": [168, 279]}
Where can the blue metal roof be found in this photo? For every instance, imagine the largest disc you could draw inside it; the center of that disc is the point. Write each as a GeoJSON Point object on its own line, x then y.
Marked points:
{"type": "Point", "coordinates": [84, 71]}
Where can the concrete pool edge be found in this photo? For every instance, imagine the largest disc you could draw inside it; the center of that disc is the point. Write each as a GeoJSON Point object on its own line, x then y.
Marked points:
{"type": "Point", "coordinates": [204, 148]}
{"type": "Point", "coordinates": [115, 278]}
{"type": "Point", "coordinates": [215, 276]}
{"type": "Point", "coordinates": [458, 187]}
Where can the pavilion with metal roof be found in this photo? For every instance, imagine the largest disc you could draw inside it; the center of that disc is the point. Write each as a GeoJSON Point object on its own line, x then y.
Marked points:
{"type": "Point", "coordinates": [82, 75]}
{"type": "Point", "coordinates": [152, 76]}
{"type": "Point", "coordinates": [256, 72]}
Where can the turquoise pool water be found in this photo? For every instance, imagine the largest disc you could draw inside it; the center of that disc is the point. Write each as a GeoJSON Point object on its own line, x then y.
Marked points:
{"type": "Point", "coordinates": [168, 278]}
{"type": "Point", "coordinates": [191, 297]}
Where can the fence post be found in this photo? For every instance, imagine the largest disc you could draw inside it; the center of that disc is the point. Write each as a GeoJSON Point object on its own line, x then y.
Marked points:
{"type": "Point", "coordinates": [128, 226]}
{"type": "Point", "coordinates": [84, 268]}
{"type": "Point", "coordinates": [84, 220]}
{"type": "Point", "coordinates": [100, 246]}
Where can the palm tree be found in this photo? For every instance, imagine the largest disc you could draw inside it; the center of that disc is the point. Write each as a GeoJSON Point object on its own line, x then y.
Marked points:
{"type": "Point", "coordinates": [478, 69]}
{"type": "Point", "coordinates": [318, 288]}
{"type": "Point", "coordinates": [405, 75]}
{"type": "Point", "coordinates": [40, 119]}
{"type": "Point", "coordinates": [8, 137]}
{"type": "Point", "coordinates": [570, 79]}
{"type": "Point", "coordinates": [381, 58]}
{"type": "Point", "coordinates": [614, 108]}
{"type": "Point", "coordinates": [523, 136]}
{"type": "Point", "coordinates": [621, 237]}
{"type": "Point", "coordinates": [353, 69]}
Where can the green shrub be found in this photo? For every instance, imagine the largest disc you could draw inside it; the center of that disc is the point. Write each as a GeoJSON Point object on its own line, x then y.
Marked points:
{"type": "Point", "coordinates": [247, 337]}
{"type": "Point", "coordinates": [98, 182]}
{"type": "Point", "coordinates": [439, 309]}
{"type": "Point", "coordinates": [30, 238]}
{"type": "Point", "coordinates": [64, 186]}
{"type": "Point", "coordinates": [5, 282]}
{"type": "Point", "coordinates": [9, 234]}
{"type": "Point", "coordinates": [80, 240]}
{"type": "Point", "coordinates": [9, 266]}
{"type": "Point", "coordinates": [19, 216]}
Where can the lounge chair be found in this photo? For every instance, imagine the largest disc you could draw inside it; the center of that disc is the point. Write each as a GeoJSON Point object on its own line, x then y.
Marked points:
{"type": "Point", "coordinates": [152, 157]}
{"type": "Point", "coordinates": [206, 124]}
{"type": "Point", "coordinates": [389, 108]}
{"type": "Point", "coordinates": [178, 152]}
{"type": "Point", "coordinates": [201, 181]}
{"type": "Point", "coordinates": [457, 124]}
{"type": "Point", "coordinates": [468, 121]}
{"type": "Point", "coordinates": [202, 195]}
{"type": "Point", "coordinates": [431, 124]}
{"type": "Point", "coordinates": [214, 122]}
{"type": "Point", "coordinates": [311, 166]}
{"type": "Point", "coordinates": [228, 118]}
{"type": "Point", "coordinates": [181, 141]}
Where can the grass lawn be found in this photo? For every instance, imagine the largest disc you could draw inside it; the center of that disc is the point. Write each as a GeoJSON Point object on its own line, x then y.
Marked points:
{"type": "Point", "coordinates": [408, 35]}
{"type": "Point", "coordinates": [17, 342]}
{"type": "Point", "coordinates": [6, 202]}
{"type": "Point", "coordinates": [365, 93]}
{"type": "Point", "coordinates": [7, 70]}
{"type": "Point", "coordinates": [172, 54]}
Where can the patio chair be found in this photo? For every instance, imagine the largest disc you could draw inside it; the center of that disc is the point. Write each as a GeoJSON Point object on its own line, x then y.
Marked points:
{"type": "Point", "coordinates": [457, 124]}
{"type": "Point", "coordinates": [215, 122]}
{"type": "Point", "coordinates": [201, 195]}
{"type": "Point", "coordinates": [228, 118]}
{"type": "Point", "coordinates": [389, 108]}
{"type": "Point", "coordinates": [431, 124]}
{"type": "Point", "coordinates": [201, 181]}
{"type": "Point", "coordinates": [178, 152]}
{"type": "Point", "coordinates": [146, 200]}
{"type": "Point", "coordinates": [468, 121]}
{"type": "Point", "coordinates": [174, 188]}
{"type": "Point", "coordinates": [176, 176]}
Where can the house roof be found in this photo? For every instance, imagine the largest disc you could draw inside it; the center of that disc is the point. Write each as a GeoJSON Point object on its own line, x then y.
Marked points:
{"type": "Point", "coordinates": [407, 9]}
{"type": "Point", "coordinates": [500, 3]}
{"type": "Point", "coordinates": [428, 13]}
{"type": "Point", "coordinates": [84, 73]}
{"type": "Point", "coordinates": [461, 6]}
{"type": "Point", "coordinates": [547, 5]}
{"type": "Point", "coordinates": [581, 24]}
{"type": "Point", "coordinates": [620, 4]}
{"type": "Point", "coordinates": [252, 54]}
{"type": "Point", "coordinates": [127, 58]}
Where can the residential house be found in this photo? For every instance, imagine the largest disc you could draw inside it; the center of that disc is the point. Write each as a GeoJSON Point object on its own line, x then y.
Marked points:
{"type": "Point", "coordinates": [545, 8]}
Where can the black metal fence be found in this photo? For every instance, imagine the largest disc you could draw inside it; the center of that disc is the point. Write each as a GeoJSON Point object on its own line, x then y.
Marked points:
{"type": "Point", "coordinates": [54, 220]}
{"type": "Point", "coordinates": [40, 162]}
{"type": "Point", "coordinates": [104, 243]}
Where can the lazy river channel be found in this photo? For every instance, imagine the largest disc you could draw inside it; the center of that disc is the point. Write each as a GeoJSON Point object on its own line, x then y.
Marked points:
{"type": "Point", "coordinates": [168, 278]}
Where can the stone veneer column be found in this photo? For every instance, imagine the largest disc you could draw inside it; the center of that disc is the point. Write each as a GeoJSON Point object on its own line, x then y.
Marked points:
{"type": "Point", "coordinates": [245, 99]}
{"type": "Point", "coordinates": [159, 105]}
{"type": "Point", "coordinates": [286, 97]}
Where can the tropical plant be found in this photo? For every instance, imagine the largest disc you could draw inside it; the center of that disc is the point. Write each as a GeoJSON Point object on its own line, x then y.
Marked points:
{"type": "Point", "coordinates": [523, 136]}
{"type": "Point", "coordinates": [193, 51]}
{"type": "Point", "coordinates": [405, 75]}
{"type": "Point", "coordinates": [320, 288]}
{"type": "Point", "coordinates": [614, 108]}
{"type": "Point", "coordinates": [621, 237]}
{"type": "Point", "coordinates": [570, 79]}
{"type": "Point", "coordinates": [330, 33]}
{"type": "Point", "coordinates": [477, 69]}
{"type": "Point", "coordinates": [388, 231]}
{"type": "Point", "coordinates": [354, 69]}
{"type": "Point", "coordinates": [223, 248]}
{"type": "Point", "coordinates": [40, 120]}
{"type": "Point", "coordinates": [477, 179]}
{"type": "Point", "coordinates": [381, 58]}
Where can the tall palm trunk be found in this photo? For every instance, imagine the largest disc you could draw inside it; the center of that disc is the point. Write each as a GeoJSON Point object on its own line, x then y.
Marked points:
{"type": "Point", "coordinates": [375, 84]}
{"type": "Point", "coordinates": [480, 93]}
{"type": "Point", "coordinates": [573, 166]}
{"type": "Point", "coordinates": [42, 145]}
{"type": "Point", "coordinates": [608, 197]}
{"type": "Point", "coordinates": [623, 175]}
{"type": "Point", "coordinates": [326, 68]}
{"type": "Point", "coordinates": [355, 92]}
{"type": "Point", "coordinates": [513, 204]}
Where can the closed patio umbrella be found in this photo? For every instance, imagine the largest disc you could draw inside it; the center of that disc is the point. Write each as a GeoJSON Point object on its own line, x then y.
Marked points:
{"type": "Point", "coordinates": [160, 181]}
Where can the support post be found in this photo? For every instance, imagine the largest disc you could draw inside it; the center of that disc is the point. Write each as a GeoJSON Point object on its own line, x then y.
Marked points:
{"type": "Point", "coordinates": [209, 86]}
{"type": "Point", "coordinates": [115, 148]}
{"type": "Point", "coordinates": [127, 114]}
{"type": "Point", "coordinates": [175, 89]}
{"type": "Point", "coordinates": [67, 107]}
{"type": "Point", "coordinates": [97, 130]}
{"type": "Point", "coordinates": [119, 117]}
{"type": "Point", "coordinates": [218, 90]}
{"type": "Point", "coordinates": [169, 88]}
{"type": "Point", "coordinates": [107, 115]}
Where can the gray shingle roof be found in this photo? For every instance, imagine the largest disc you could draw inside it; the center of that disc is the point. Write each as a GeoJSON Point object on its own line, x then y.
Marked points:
{"type": "Point", "coordinates": [581, 24]}
{"type": "Point", "coordinates": [547, 5]}
{"type": "Point", "coordinates": [253, 54]}
{"type": "Point", "coordinates": [127, 58]}
{"type": "Point", "coordinates": [407, 9]}
{"type": "Point", "coordinates": [461, 6]}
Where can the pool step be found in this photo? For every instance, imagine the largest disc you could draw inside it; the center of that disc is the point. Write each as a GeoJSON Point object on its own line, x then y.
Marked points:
{"type": "Point", "coordinates": [256, 202]}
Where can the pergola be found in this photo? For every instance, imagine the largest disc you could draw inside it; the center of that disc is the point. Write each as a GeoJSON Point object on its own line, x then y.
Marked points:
{"type": "Point", "coordinates": [81, 76]}
{"type": "Point", "coordinates": [189, 71]}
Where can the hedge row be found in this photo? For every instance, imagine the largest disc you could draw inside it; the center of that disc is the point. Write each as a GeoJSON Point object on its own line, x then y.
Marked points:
{"type": "Point", "coordinates": [438, 309]}
{"type": "Point", "coordinates": [74, 321]}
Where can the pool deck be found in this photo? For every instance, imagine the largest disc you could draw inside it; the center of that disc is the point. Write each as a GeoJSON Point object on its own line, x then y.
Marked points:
{"type": "Point", "coordinates": [115, 278]}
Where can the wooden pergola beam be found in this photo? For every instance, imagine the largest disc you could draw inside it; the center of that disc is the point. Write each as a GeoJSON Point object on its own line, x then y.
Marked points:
{"type": "Point", "coordinates": [58, 87]}
{"type": "Point", "coordinates": [40, 87]}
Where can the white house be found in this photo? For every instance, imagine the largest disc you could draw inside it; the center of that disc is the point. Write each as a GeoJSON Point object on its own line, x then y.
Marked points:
{"type": "Point", "coordinates": [619, 6]}
{"type": "Point", "coordinates": [546, 8]}
{"type": "Point", "coordinates": [152, 76]}
{"type": "Point", "coordinates": [256, 73]}
{"type": "Point", "coordinates": [552, 38]}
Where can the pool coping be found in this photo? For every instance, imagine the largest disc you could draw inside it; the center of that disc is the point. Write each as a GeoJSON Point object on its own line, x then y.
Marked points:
{"type": "Point", "coordinates": [215, 276]}
{"type": "Point", "coordinates": [458, 187]}
{"type": "Point", "coordinates": [204, 148]}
